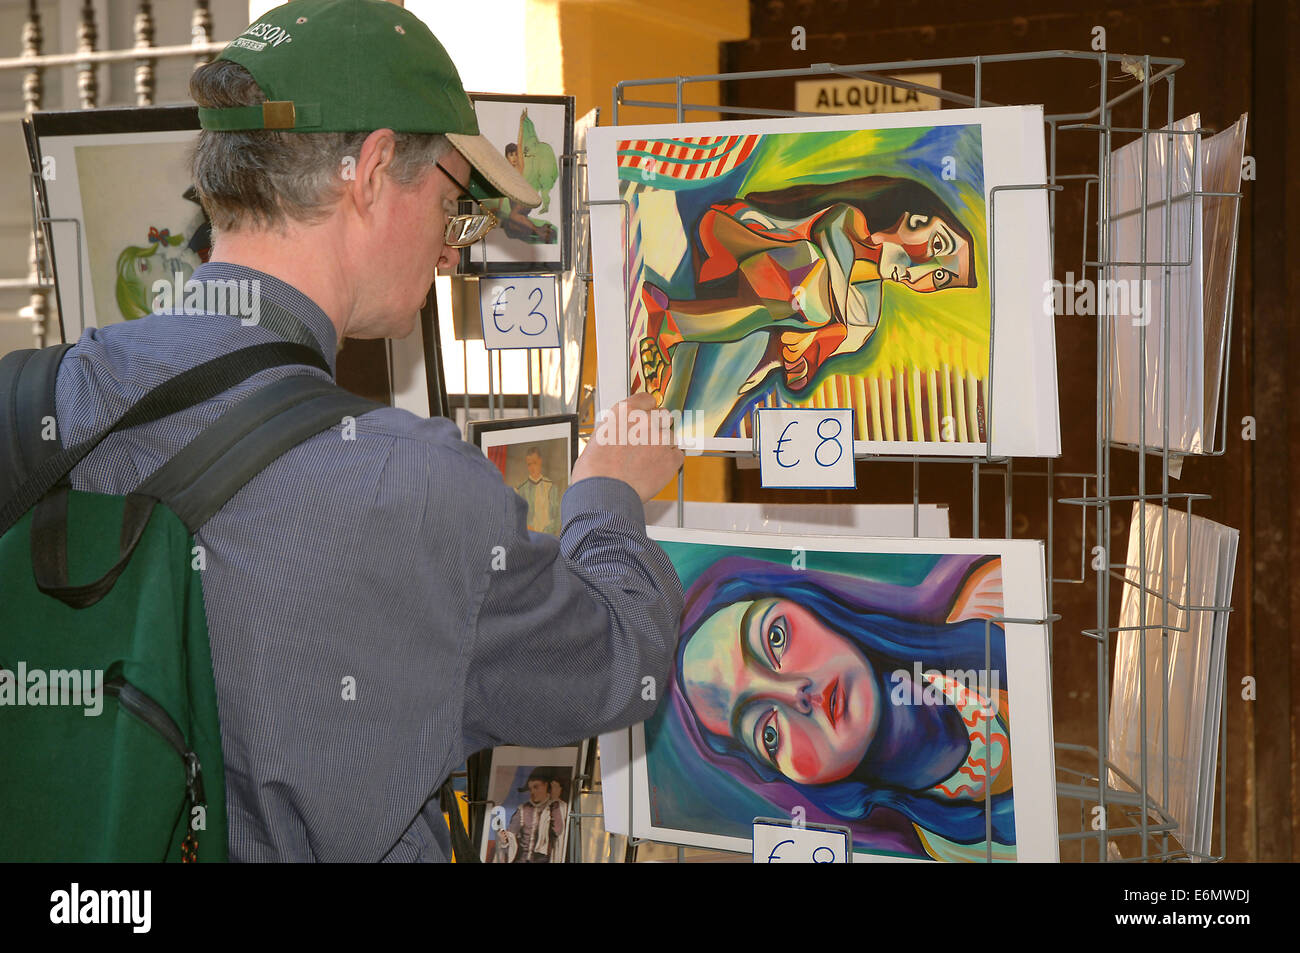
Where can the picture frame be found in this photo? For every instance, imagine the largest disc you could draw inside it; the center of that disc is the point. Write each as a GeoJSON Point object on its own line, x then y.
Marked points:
{"type": "Point", "coordinates": [684, 783]}
{"type": "Point", "coordinates": [40, 214]}
{"type": "Point", "coordinates": [123, 174]}
{"type": "Point", "coordinates": [833, 261]}
{"type": "Point", "coordinates": [522, 784]}
{"type": "Point", "coordinates": [539, 130]}
{"type": "Point", "coordinates": [535, 456]}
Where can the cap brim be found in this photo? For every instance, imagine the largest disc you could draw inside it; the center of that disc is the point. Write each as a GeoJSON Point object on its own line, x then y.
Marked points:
{"type": "Point", "coordinates": [492, 176]}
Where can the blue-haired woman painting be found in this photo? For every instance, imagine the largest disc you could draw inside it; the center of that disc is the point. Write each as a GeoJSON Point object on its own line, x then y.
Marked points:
{"type": "Point", "coordinates": [802, 686]}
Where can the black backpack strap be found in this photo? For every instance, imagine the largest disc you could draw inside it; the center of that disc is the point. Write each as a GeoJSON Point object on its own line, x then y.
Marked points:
{"type": "Point", "coordinates": [212, 467]}
{"type": "Point", "coordinates": [198, 480]}
{"type": "Point", "coordinates": [27, 381]}
{"type": "Point", "coordinates": [186, 389]}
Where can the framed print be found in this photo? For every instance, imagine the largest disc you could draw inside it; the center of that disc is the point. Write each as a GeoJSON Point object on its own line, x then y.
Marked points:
{"type": "Point", "coordinates": [848, 676]}
{"type": "Point", "coordinates": [530, 794]}
{"type": "Point", "coordinates": [535, 456]}
{"type": "Point", "coordinates": [879, 262]}
{"type": "Point", "coordinates": [124, 174]}
{"type": "Point", "coordinates": [535, 133]}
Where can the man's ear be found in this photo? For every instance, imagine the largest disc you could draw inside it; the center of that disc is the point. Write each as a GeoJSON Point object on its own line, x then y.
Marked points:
{"type": "Point", "coordinates": [370, 175]}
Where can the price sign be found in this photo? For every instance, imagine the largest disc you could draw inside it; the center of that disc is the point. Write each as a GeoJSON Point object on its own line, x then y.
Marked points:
{"type": "Point", "coordinates": [518, 311]}
{"type": "Point", "coordinates": [780, 842]}
{"type": "Point", "coordinates": [806, 447]}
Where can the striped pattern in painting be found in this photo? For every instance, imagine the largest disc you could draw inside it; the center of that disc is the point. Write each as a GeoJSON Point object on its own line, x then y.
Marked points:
{"type": "Point", "coordinates": [908, 404]}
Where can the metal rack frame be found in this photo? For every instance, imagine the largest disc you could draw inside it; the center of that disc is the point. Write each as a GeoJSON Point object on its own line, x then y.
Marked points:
{"type": "Point", "coordinates": [1147, 810]}
{"type": "Point", "coordinates": [1153, 823]}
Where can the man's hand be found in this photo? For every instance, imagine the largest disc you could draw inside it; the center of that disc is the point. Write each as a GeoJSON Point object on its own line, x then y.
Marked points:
{"type": "Point", "coordinates": [632, 443]}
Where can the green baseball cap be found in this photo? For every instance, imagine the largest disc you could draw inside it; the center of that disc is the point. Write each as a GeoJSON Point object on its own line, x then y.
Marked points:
{"type": "Point", "coordinates": [357, 66]}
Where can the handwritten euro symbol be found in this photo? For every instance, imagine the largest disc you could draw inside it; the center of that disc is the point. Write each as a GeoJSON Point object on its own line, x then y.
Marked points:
{"type": "Point", "coordinates": [784, 439]}
{"type": "Point", "coordinates": [499, 307]}
{"type": "Point", "coordinates": [772, 856]}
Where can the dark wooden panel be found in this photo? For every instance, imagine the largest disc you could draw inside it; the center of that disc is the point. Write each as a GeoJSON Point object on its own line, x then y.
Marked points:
{"type": "Point", "coordinates": [1275, 596]}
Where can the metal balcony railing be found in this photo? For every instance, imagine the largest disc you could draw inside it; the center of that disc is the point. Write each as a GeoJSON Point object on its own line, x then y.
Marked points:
{"type": "Point", "coordinates": [34, 62]}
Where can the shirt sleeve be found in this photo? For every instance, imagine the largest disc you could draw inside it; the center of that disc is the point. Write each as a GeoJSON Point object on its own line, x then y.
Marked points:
{"type": "Point", "coordinates": [571, 628]}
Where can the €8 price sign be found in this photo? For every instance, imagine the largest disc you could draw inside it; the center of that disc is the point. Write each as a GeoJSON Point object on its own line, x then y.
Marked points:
{"type": "Point", "coordinates": [795, 842]}
{"type": "Point", "coordinates": [806, 447]}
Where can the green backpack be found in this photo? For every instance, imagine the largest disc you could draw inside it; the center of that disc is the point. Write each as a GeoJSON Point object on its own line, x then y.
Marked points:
{"type": "Point", "coordinates": [110, 745]}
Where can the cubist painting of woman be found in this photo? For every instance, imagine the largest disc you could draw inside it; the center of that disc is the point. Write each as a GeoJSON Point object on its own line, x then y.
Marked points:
{"type": "Point", "coordinates": [783, 268]}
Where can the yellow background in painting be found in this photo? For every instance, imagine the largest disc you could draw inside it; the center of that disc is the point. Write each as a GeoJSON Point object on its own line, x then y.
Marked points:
{"type": "Point", "coordinates": [925, 331]}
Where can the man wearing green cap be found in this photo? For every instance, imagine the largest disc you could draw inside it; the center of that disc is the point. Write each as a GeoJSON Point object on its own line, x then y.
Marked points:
{"type": "Point", "coordinates": [376, 605]}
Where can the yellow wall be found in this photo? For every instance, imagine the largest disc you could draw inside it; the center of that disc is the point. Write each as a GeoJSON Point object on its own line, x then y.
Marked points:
{"type": "Point", "coordinates": [605, 41]}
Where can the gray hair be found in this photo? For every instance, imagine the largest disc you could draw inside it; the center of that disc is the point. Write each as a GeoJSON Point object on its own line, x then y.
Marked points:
{"type": "Point", "coordinates": [268, 176]}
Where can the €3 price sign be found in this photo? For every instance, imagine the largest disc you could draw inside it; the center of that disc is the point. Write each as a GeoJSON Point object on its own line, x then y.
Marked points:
{"type": "Point", "coordinates": [805, 447]}
{"type": "Point", "coordinates": [519, 311]}
{"type": "Point", "coordinates": [793, 842]}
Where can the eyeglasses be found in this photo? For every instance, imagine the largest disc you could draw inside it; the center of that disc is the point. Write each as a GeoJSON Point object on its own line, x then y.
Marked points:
{"type": "Point", "coordinates": [465, 229]}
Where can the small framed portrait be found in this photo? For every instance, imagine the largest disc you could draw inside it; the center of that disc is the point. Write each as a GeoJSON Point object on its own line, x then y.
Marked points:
{"type": "Point", "coordinates": [530, 793]}
{"type": "Point", "coordinates": [535, 456]}
{"type": "Point", "coordinates": [535, 134]}
{"type": "Point", "coordinates": [116, 184]}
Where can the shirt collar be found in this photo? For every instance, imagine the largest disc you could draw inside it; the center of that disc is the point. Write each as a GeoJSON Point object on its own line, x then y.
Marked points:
{"type": "Point", "coordinates": [285, 295]}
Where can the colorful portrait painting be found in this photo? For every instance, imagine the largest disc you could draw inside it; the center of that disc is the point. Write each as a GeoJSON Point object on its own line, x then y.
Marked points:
{"type": "Point", "coordinates": [796, 263]}
{"type": "Point", "coordinates": [858, 687]}
{"type": "Point", "coordinates": [534, 133]}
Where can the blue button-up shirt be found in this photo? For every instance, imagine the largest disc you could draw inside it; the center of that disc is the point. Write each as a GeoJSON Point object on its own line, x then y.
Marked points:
{"type": "Point", "coordinates": [397, 562]}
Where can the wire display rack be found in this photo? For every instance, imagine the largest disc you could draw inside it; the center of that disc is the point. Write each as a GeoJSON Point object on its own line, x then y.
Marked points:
{"type": "Point", "coordinates": [1086, 774]}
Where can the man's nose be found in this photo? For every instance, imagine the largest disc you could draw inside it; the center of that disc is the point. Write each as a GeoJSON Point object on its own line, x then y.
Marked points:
{"type": "Point", "coordinates": [451, 256]}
